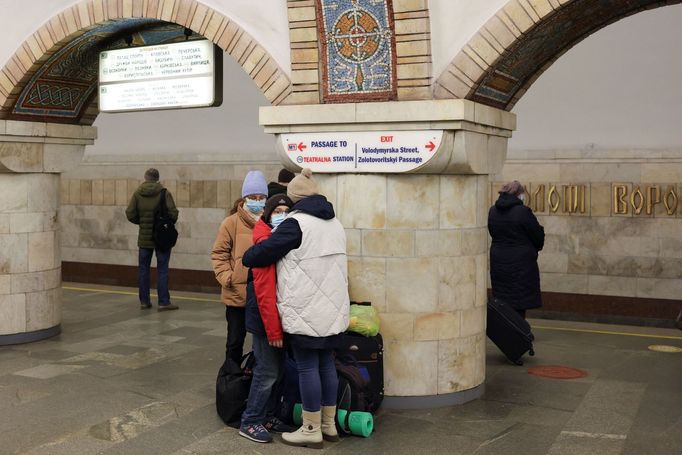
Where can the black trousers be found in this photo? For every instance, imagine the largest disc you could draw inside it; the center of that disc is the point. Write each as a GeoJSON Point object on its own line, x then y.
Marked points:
{"type": "Point", "coordinates": [236, 333]}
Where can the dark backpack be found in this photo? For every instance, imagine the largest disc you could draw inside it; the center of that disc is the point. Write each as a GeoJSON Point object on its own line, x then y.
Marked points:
{"type": "Point", "coordinates": [354, 391]}
{"type": "Point", "coordinates": [232, 389]}
{"type": "Point", "coordinates": [164, 233]}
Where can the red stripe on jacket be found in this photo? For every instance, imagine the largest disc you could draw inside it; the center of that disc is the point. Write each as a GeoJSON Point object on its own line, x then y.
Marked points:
{"type": "Point", "coordinates": [265, 285]}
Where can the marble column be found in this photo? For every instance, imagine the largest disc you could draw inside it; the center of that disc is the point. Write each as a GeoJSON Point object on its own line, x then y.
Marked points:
{"type": "Point", "coordinates": [417, 241]}
{"type": "Point", "coordinates": [32, 155]}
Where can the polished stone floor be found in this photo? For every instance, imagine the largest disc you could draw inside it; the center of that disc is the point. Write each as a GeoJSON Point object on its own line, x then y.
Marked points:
{"type": "Point", "coordinates": [120, 380]}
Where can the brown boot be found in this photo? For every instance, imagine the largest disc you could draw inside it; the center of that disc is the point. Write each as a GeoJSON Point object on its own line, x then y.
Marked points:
{"type": "Point", "coordinates": [310, 433]}
{"type": "Point", "coordinates": [329, 432]}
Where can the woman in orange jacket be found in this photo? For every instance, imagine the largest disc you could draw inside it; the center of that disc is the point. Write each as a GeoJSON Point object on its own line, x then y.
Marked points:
{"type": "Point", "coordinates": [235, 236]}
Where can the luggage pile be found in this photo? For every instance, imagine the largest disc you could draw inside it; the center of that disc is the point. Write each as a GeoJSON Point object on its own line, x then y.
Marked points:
{"type": "Point", "coordinates": [359, 364]}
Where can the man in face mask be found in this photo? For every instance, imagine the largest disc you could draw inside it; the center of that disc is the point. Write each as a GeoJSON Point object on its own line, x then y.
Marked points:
{"type": "Point", "coordinates": [235, 236]}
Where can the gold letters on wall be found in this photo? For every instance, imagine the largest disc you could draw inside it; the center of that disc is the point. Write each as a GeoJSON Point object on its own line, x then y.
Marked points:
{"type": "Point", "coordinates": [653, 198]}
{"type": "Point", "coordinates": [627, 199]}
{"type": "Point", "coordinates": [553, 199]}
{"type": "Point", "coordinates": [643, 199]}
{"type": "Point", "coordinates": [670, 200]}
{"type": "Point", "coordinates": [574, 198]}
{"type": "Point", "coordinates": [571, 199]}
{"type": "Point", "coordinates": [637, 200]}
{"type": "Point", "coordinates": [620, 207]}
{"type": "Point", "coordinates": [539, 198]}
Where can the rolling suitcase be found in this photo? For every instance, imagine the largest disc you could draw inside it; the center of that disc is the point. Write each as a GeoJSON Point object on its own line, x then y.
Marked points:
{"type": "Point", "coordinates": [509, 331]}
{"type": "Point", "coordinates": [368, 352]}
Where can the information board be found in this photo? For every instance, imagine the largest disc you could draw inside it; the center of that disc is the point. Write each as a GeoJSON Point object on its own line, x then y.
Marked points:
{"type": "Point", "coordinates": [363, 151]}
{"type": "Point", "coordinates": [166, 76]}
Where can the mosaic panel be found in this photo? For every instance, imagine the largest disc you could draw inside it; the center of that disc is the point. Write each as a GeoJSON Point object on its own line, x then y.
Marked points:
{"type": "Point", "coordinates": [558, 32]}
{"type": "Point", "coordinates": [62, 88]}
{"type": "Point", "coordinates": [358, 50]}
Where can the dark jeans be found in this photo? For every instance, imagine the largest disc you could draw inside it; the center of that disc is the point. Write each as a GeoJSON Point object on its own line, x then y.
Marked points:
{"type": "Point", "coordinates": [317, 377]}
{"type": "Point", "coordinates": [266, 382]}
{"type": "Point", "coordinates": [236, 333]}
{"type": "Point", "coordinates": [145, 261]}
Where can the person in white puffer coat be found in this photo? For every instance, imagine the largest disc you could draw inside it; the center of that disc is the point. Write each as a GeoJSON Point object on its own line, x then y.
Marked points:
{"type": "Point", "coordinates": [309, 248]}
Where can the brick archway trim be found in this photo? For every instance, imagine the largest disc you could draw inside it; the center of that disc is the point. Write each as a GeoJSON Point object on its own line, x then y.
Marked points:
{"type": "Point", "coordinates": [76, 20]}
{"type": "Point", "coordinates": [524, 38]}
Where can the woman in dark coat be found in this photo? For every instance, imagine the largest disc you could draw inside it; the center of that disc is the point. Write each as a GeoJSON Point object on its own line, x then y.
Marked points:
{"type": "Point", "coordinates": [517, 238]}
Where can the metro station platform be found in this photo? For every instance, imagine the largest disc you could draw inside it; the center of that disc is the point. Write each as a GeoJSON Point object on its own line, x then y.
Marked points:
{"type": "Point", "coordinates": [120, 380]}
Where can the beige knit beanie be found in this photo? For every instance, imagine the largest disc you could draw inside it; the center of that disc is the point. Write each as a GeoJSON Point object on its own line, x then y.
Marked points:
{"type": "Point", "coordinates": [302, 186]}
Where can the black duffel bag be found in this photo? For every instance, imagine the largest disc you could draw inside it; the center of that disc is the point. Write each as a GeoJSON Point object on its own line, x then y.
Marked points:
{"type": "Point", "coordinates": [232, 389]}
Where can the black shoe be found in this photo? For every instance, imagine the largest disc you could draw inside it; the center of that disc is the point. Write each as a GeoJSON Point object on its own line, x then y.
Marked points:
{"type": "Point", "coordinates": [168, 307]}
{"type": "Point", "coordinates": [275, 425]}
{"type": "Point", "coordinates": [145, 306]}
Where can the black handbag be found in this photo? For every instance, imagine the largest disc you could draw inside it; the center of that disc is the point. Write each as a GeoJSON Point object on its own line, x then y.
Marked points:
{"type": "Point", "coordinates": [164, 233]}
{"type": "Point", "coordinates": [232, 389]}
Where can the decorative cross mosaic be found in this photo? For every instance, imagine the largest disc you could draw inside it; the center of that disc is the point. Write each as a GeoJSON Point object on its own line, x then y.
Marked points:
{"type": "Point", "coordinates": [358, 50]}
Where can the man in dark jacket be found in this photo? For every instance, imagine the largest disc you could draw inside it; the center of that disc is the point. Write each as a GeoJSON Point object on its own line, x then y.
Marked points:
{"type": "Point", "coordinates": [140, 211]}
{"type": "Point", "coordinates": [280, 186]}
{"type": "Point", "coordinates": [517, 239]}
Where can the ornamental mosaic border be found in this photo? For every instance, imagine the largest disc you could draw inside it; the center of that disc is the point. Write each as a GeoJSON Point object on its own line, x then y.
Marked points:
{"type": "Point", "coordinates": [527, 58]}
{"type": "Point", "coordinates": [79, 85]}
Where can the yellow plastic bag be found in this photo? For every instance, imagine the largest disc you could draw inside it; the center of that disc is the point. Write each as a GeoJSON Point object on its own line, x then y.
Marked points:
{"type": "Point", "coordinates": [364, 320]}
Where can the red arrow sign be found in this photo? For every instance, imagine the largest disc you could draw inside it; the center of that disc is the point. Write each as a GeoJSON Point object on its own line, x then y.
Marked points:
{"type": "Point", "coordinates": [430, 146]}
{"type": "Point", "coordinates": [301, 146]}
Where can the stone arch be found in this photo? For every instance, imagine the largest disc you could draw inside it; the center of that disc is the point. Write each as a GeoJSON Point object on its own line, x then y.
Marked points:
{"type": "Point", "coordinates": [524, 38]}
{"type": "Point", "coordinates": [87, 15]}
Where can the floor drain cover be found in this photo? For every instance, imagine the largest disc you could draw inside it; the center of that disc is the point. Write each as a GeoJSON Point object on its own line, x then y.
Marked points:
{"type": "Point", "coordinates": [557, 372]}
{"type": "Point", "coordinates": [664, 348]}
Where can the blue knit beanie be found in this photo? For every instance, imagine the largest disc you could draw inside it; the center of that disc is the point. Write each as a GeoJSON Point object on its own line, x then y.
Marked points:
{"type": "Point", "coordinates": [254, 183]}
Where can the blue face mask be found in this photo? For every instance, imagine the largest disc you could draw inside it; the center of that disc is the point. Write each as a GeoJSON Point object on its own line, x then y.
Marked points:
{"type": "Point", "coordinates": [254, 206]}
{"type": "Point", "coordinates": [277, 219]}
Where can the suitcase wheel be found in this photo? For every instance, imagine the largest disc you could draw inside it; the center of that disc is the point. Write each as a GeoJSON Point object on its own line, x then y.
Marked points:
{"type": "Point", "coordinates": [518, 362]}
{"type": "Point", "coordinates": [531, 352]}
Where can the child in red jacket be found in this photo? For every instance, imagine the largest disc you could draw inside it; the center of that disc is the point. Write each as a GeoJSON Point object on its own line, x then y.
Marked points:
{"type": "Point", "coordinates": [263, 322]}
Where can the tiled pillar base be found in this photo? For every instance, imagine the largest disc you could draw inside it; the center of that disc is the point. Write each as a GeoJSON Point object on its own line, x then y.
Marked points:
{"type": "Point", "coordinates": [434, 401]}
{"type": "Point", "coordinates": [30, 337]}
{"type": "Point", "coordinates": [30, 263]}
{"type": "Point", "coordinates": [31, 157]}
{"type": "Point", "coordinates": [417, 249]}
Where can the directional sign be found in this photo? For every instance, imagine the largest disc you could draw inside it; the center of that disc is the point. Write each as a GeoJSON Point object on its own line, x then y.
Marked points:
{"type": "Point", "coordinates": [363, 151]}
{"type": "Point", "coordinates": [165, 76]}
